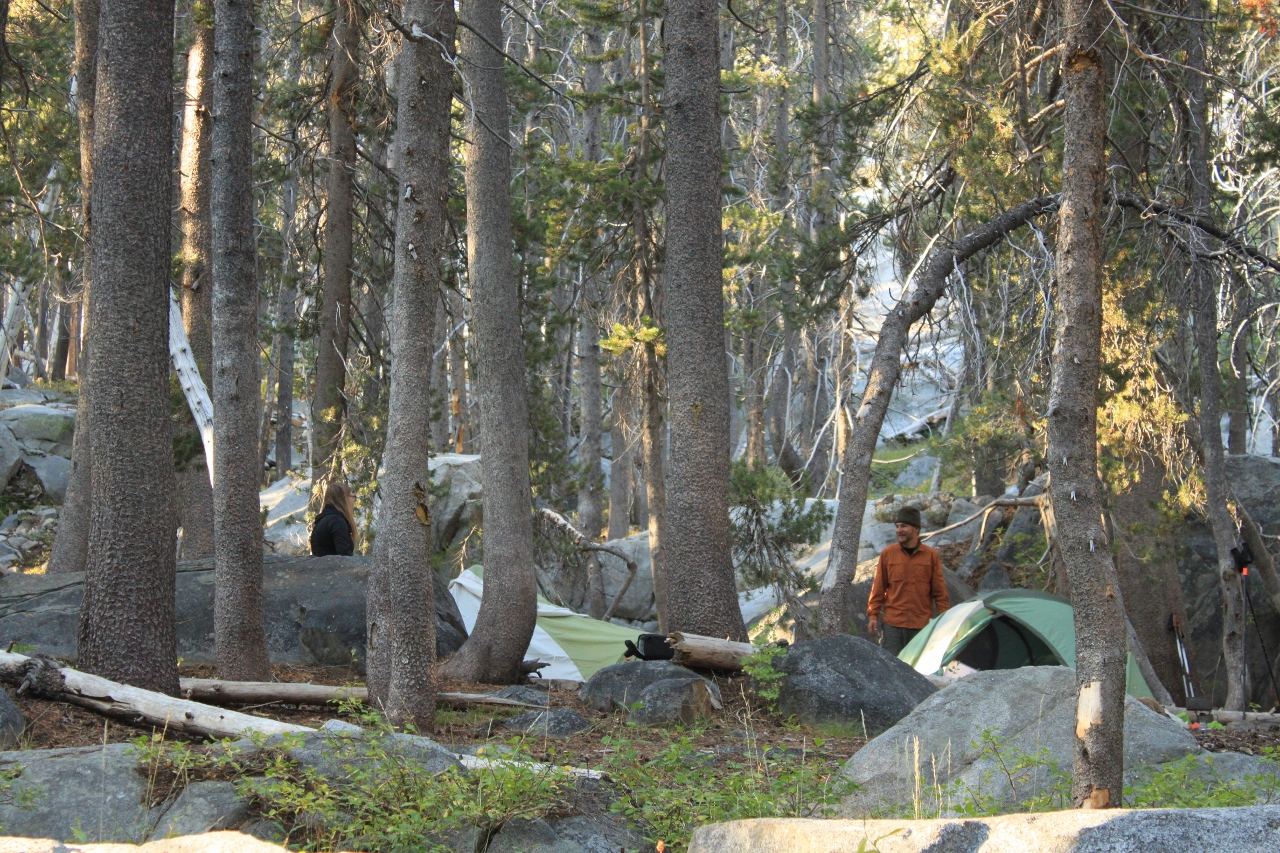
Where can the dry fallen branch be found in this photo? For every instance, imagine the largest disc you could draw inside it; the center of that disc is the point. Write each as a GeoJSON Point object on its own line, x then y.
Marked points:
{"type": "Point", "coordinates": [48, 679]}
{"type": "Point", "coordinates": [215, 691]}
{"type": "Point", "coordinates": [585, 543]}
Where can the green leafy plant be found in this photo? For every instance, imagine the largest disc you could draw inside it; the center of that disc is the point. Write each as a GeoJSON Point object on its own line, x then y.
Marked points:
{"type": "Point", "coordinates": [384, 800]}
{"type": "Point", "coordinates": [766, 680]}
{"type": "Point", "coordinates": [682, 787]}
{"type": "Point", "coordinates": [1193, 782]}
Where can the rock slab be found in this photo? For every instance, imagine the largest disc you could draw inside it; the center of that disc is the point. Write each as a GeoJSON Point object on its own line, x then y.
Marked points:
{"type": "Point", "coordinates": [844, 679]}
{"type": "Point", "coordinates": [212, 842]}
{"type": "Point", "coordinates": [315, 611]}
{"type": "Point", "coordinates": [12, 723]}
{"type": "Point", "coordinates": [937, 750]}
{"type": "Point", "coordinates": [557, 722]}
{"type": "Point", "coordinates": [1255, 829]}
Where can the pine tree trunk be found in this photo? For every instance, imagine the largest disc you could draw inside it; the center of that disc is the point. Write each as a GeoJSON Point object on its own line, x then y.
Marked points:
{"type": "Point", "coordinates": [460, 404]}
{"type": "Point", "coordinates": [61, 331]}
{"type": "Point", "coordinates": [127, 628]}
{"type": "Point", "coordinates": [1238, 409]}
{"type": "Point", "coordinates": [1203, 285]}
{"type": "Point", "coordinates": [328, 407]}
{"type": "Point", "coordinates": [70, 548]}
{"type": "Point", "coordinates": [621, 437]}
{"type": "Point", "coordinates": [195, 494]}
{"type": "Point", "coordinates": [496, 647]}
{"type": "Point", "coordinates": [239, 617]}
{"type": "Point", "coordinates": [439, 377]}
{"type": "Point", "coordinates": [287, 295]}
{"type": "Point", "coordinates": [1076, 491]}
{"type": "Point", "coordinates": [590, 495]}
{"type": "Point", "coordinates": [699, 564]}
{"type": "Point", "coordinates": [403, 639]}
{"type": "Point", "coordinates": [590, 503]}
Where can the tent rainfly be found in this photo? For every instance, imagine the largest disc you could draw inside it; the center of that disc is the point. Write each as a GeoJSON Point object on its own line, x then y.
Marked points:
{"type": "Point", "coordinates": [1005, 629]}
{"type": "Point", "coordinates": [575, 646]}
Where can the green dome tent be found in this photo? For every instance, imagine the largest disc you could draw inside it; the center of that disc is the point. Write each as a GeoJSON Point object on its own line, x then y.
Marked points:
{"type": "Point", "coordinates": [1005, 629]}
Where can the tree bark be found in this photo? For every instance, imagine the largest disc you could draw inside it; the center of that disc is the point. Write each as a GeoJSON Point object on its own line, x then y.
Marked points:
{"type": "Point", "coordinates": [590, 495]}
{"type": "Point", "coordinates": [70, 548]}
{"type": "Point", "coordinates": [401, 621]}
{"type": "Point", "coordinates": [495, 649]}
{"type": "Point", "coordinates": [127, 618]}
{"type": "Point", "coordinates": [590, 503]}
{"type": "Point", "coordinates": [1076, 491]}
{"type": "Point", "coordinates": [1202, 282]}
{"type": "Point", "coordinates": [699, 565]}
{"type": "Point", "coordinates": [329, 406]}
{"type": "Point", "coordinates": [195, 494]}
{"type": "Point", "coordinates": [621, 437]}
{"type": "Point", "coordinates": [239, 618]}
{"type": "Point", "coordinates": [460, 404]}
{"type": "Point", "coordinates": [836, 609]}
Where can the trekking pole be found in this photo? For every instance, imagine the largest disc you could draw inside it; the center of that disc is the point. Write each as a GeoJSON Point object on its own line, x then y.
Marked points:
{"type": "Point", "coordinates": [1243, 556]}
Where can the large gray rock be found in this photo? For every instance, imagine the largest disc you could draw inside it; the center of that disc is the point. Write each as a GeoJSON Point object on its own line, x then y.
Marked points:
{"type": "Point", "coordinates": [556, 722]}
{"type": "Point", "coordinates": [336, 753]}
{"type": "Point", "coordinates": [203, 807]}
{"type": "Point", "coordinates": [592, 829]}
{"type": "Point", "coordinates": [675, 700]}
{"type": "Point", "coordinates": [52, 473]}
{"type": "Point", "coordinates": [41, 428]}
{"type": "Point", "coordinates": [618, 687]}
{"type": "Point", "coordinates": [1241, 830]}
{"type": "Point", "coordinates": [919, 472]}
{"type": "Point", "coordinates": [93, 793]}
{"type": "Point", "coordinates": [844, 679]}
{"type": "Point", "coordinates": [10, 457]}
{"type": "Point", "coordinates": [1255, 481]}
{"type": "Point", "coordinates": [24, 396]}
{"type": "Point", "coordinates": [315, 611]}
{"type": "Point", "coordinates": [12, 723]}
{"type": "Point", "coordinates": [638, 604]}
{"type": "Point", "coordinates": [936, 751]}
{"type": "Point", "coordinates": [458, 511]}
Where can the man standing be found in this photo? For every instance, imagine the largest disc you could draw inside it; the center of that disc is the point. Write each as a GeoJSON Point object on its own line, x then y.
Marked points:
{"type": "Point", "coordinates": [908, 585]}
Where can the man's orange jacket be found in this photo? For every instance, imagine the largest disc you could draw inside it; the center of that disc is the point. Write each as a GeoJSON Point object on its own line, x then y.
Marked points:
{"type": "Point", "coordinates": [908, 586]}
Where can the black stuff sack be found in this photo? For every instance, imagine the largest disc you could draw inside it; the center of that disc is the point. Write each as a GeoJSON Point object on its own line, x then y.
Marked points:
{"type": "Point", "coordinates": [650, 647]}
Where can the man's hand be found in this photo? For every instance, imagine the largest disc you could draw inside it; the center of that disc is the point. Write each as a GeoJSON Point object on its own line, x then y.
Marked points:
{"type": "Point", "coordinates": [873, 626]}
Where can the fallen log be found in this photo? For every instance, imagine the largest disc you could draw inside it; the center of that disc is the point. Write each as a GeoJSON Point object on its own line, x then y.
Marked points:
{"type": "Point", "coordinates": [1229, 716]}
{"type": "Point", "coordinates": [49, 680]}
{"type": "Point", "coordinates": [215, 691]}
{"type": "Point", "coordinates": [699, 652]}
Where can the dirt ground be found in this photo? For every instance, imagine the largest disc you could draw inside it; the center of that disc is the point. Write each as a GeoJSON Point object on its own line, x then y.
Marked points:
{"type": "Point", "coordinates": [742, 726]}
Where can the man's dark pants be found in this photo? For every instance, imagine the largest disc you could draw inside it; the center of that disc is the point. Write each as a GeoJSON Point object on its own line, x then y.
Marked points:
{"type": "Point", "coordinates": [895, 639]}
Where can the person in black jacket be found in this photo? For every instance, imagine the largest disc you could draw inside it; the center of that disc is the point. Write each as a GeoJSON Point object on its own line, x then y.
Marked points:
{"type": "Point", "coordinates": [334, 531]}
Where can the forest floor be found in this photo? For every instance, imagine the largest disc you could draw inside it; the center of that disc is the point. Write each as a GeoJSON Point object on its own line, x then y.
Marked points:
{"type": "Point", "coordinates": [743, 726]}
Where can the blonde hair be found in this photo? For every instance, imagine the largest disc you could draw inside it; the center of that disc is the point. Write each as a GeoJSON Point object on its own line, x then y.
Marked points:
{"type": "Point", "coordinates": [338, 495]}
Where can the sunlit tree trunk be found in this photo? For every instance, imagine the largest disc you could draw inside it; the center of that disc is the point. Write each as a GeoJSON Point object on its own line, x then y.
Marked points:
{"type": "Point", "coordinates": [1098, 768]}
{"type": "Point", "coordinates": [70, 548]}
{"type": "Point", "coordinates": [195, 493]}
{"type": "Point", "coordinates": [1203, 285]}
{"type": "Point", "coordinates": [328, 408]}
